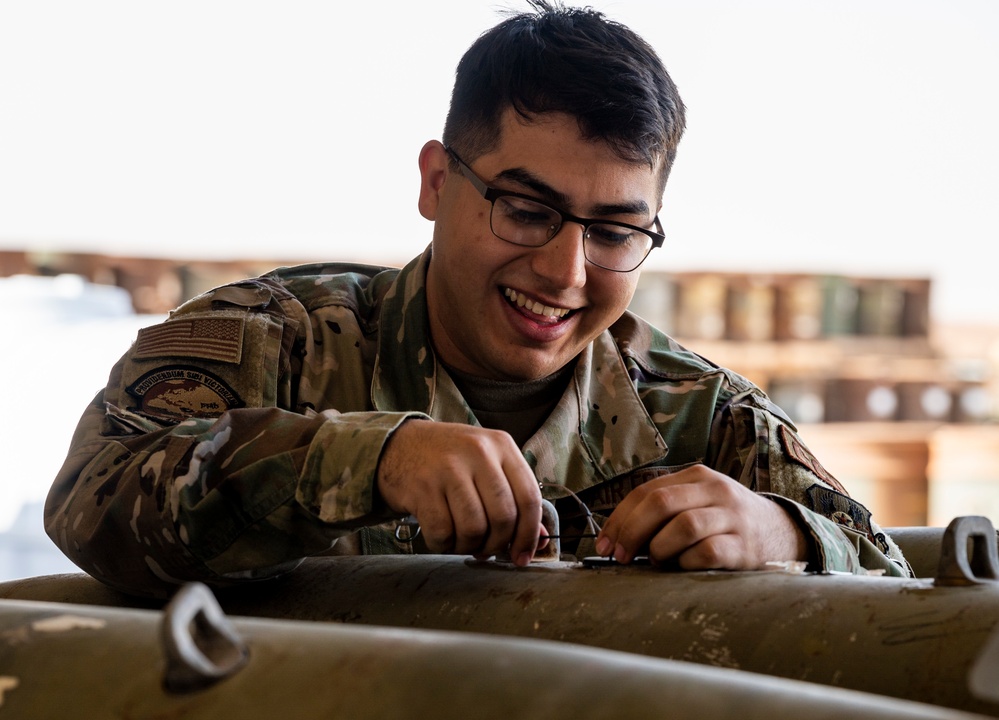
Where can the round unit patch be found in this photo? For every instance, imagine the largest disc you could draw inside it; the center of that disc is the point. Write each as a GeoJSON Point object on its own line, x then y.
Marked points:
{"type": "Point", "coordinates": [179, 392]}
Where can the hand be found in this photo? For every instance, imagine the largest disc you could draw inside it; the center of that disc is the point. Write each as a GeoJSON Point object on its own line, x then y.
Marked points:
{"type": "Point", "coordinates": [470, 489]}
{"type": "Point", "coordinates": [702, 519]}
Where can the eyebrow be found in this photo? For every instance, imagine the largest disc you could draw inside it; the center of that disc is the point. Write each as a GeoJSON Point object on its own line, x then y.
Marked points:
{"type": "Point", "coordinates": [561, 200]}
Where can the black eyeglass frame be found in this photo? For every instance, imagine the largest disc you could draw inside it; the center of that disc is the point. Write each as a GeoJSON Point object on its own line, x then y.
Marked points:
{"type": "Point", "coordinates": [492, 194]}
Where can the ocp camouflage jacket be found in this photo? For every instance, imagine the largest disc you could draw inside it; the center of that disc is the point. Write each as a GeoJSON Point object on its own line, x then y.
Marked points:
{"type": "Point", "coordinates": [244, 433]}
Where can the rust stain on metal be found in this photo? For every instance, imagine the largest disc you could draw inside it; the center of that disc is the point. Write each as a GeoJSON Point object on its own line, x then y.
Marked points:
{"type": "Point", "coordinates": [526, 598]}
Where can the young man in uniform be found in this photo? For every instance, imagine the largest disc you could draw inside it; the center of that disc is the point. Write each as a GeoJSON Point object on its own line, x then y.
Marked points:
{"type": "Point", "coordinates": [311, 410]}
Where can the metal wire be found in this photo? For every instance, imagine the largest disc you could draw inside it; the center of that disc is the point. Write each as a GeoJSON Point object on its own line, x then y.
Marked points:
{"type": "Point", "coordinates": [591, 522]}
{"type": "Point", "coordinates": [592, 525]}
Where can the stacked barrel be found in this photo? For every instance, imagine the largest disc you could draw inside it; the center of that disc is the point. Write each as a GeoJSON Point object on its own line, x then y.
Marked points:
{"type": "Point", "coordinates": [854, 362]}
{"type": "Point", "coordinates": [828, 348]}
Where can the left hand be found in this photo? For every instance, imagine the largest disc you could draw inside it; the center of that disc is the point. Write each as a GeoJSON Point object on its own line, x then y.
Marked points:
{"type": "Point", "coordinates": [703, 520]}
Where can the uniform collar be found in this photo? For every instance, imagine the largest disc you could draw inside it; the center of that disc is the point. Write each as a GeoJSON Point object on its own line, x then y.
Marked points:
{"type": "Point", "coordinates": [598, 430]}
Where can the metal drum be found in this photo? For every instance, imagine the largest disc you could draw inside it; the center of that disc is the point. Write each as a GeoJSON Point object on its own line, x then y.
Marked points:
{"type": "Point", "coordinates": [930, 640]}
{"type": "Point", "coordinates": [192, 661]}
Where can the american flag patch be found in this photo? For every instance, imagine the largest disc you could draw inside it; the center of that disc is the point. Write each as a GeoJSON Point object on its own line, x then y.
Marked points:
{"type": "Point", "coordinates": [213, 339]}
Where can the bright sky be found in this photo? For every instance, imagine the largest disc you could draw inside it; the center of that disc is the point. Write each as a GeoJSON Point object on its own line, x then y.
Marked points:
{"type": "Point", "coordinates": [852, 136]}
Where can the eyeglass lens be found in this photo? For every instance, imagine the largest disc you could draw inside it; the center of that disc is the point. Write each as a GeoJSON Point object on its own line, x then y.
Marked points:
{"type": "Point", "coordinates": [524, 222]}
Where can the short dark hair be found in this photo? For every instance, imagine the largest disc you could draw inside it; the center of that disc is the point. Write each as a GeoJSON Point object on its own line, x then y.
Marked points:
{"type": "Point", "coordinates": [558, 59]}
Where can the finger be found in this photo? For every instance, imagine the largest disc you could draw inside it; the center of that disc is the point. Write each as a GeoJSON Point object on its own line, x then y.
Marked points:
{"type": "Point", "coordinates": [607, 538]}
{"type": "Point", "coordinates": [437, 528]}
{"type": "Point", "coordinates": [449, 517]}
{"type": "Point", "coordinates": [653, 514]}
{"type": "Point", "coordinates": [543, 538]}
{"type": "Point", "coordinates": [703, 535]}
{"type": "Point", "coordinates": [527, 497]}
{"type": "Point", "coordinates": [469, 519]}
{"type": "Point", "coordinates": [619, 518]}
{"type": "Point", "coordinates": [715, 552]}
{"type": "Point", "coordinates": [652, 499]}
{"type": "Point", "coordinates": [500, 510]}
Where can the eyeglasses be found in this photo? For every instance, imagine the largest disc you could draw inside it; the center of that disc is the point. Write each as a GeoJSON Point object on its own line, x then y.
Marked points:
{"type": "Point", "coordinates": [522, 220]}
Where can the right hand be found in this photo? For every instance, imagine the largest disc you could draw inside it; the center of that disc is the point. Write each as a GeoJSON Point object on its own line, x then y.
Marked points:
{"type": "Point", "coordinates": [469, 488]}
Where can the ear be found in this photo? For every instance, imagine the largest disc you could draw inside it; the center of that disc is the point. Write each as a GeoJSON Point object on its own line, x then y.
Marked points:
{"type": "Point", "coordinates": [433, 171]}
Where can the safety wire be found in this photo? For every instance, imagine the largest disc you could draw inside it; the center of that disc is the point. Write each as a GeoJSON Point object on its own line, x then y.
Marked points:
{"type": "Point", "coordinates": [592, 526]}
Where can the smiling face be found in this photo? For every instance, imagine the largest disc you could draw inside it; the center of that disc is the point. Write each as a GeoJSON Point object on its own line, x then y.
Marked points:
{"type": "Point", "coordinates": [508, 312]}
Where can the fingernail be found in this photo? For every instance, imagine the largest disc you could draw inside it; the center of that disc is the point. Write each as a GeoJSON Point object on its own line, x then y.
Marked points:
{"type": "Point", "coordinates": [603, 546]}
{"type": "Point", "coordinates": [524, 559]}
{"type": "Point", "coordinates": [620, 554]}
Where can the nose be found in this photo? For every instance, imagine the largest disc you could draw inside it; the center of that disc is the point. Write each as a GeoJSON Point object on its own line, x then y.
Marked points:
{"type": "Point", "coordinates": [561, 260]}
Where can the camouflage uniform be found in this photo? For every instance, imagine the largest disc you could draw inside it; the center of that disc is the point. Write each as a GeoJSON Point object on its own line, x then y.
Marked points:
{"type": "Point", "coordinates": [244, 433]}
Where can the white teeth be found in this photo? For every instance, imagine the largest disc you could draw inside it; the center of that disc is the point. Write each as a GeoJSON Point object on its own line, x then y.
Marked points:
{"type": "Point", "coordinates": [535, 307]}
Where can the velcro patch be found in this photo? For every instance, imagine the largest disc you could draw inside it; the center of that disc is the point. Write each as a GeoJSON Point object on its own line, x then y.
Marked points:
{"type": "Point", "coordinates": [218, 338]}
{"type": "Point", "coordinates": [796, 450]}
{"type": "Point", "coordinates": [181, 392]}
{"type": "Point", "coordinates": [841, 509]}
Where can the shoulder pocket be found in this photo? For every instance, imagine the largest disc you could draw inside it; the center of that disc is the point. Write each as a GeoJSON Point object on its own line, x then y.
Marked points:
{"type": "Point", "coordinates": [201, 364]}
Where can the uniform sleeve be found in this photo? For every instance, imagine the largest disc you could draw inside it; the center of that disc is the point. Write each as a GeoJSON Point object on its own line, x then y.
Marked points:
{"type": "Point", "coordinates": [757, 445]}
{"type": "Point", "coordinates": [196, 462]}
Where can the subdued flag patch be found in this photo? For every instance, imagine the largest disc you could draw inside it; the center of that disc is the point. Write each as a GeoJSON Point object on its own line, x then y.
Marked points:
{"type": "Point", "coordinates": [210, 338]}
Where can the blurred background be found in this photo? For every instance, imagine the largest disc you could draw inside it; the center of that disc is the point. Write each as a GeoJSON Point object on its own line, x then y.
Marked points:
{"type": "Point", "coordinates": [829, 218]}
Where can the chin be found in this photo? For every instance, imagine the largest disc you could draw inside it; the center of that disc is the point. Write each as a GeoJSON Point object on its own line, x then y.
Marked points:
{"type": "Point", "coordinates": [533, 371]}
